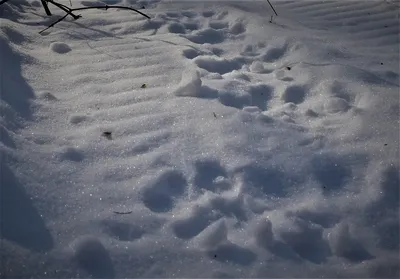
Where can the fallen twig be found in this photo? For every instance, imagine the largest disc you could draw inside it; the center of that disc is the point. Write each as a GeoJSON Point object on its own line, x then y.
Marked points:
{"type": "Point", "coordinates": [119, 212]}
{"type": "Point", "coordinates": [272, 7]}
{"type": "Point", "coordinates": [46, 8]}
{"type": "Point", "coordinates": [64, 8]}
{"type": "Point", "coordinates": [70, 11]}
{"type": "Point", "coordinates": [54, 23]}
{"type": "Point", "coordinates": [111, 7]}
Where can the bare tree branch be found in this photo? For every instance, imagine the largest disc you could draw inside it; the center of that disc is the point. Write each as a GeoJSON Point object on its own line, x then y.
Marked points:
{"type": "Point", "coordinates": [69, 11]}
{"type": "Point", "coordinates": [64, 8]}
{"type": "Point", "coordinates": [54, 23]}
{"type": "Point", "coordinates": [106, 7]}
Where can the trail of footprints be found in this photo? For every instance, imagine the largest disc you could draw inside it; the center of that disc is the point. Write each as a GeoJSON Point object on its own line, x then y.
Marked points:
{"type": "Point", "coordinates": [212, 185]}
{"type": "Point", "coordinates": [254, 60]}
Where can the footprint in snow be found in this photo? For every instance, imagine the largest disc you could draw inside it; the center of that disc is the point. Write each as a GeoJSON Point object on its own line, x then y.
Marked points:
{"type": "Point", "coordinates": [211, 176]}
{"type": "Point", "coordinates": [208, 35]}
{"type": "Point", "coordinates": [199, 218]}
{"type": "Point", "coordinates": [208, 13]}
{"type": "Point", "coordinates": [294, 94]}
{"type": "Point", "coordinates": [77, 118]}
{"type": "Point", "coordinates": [218, 25]}
{"type": "Point", "coordinates": [190, 53]}
{"type": "Point", "coordinates": [218, 65]}
{"type": "Point", "coordinates": [159, 195]}
{"type": "Point", "coordinates": [46, 96]}
{"type": "Point", "coordinates": [91, 255]}
{"type": "Point", "coordinates": [123, 231]}
{"type": "Point", "coordinates": [59, 48]}
{"type": "Point", "coordinates": [176, 28]}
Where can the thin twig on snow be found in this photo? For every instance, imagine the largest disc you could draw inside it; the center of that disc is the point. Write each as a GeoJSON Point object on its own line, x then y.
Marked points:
{"type": "Point", "coordinates": [272, 7]}
{"type": "Point", "coordinates": [70, 11]}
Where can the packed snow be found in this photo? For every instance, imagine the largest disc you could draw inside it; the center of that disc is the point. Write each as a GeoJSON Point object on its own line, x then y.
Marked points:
{"type": "Point", "coordinates": [213, 140]}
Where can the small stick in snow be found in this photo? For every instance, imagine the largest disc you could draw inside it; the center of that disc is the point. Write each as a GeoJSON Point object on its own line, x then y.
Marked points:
{"type": "Point", "coordinates": [70, 11]}
{"type": "Point", "coordinates": [46, 8]}
{"type": "Point", "coordinates": [121, 213]}
{"type": "Point", "coordinates": [272, 7]}
{"type": "Point", "coordinates": [54, 23]}
{"type": "Point", "coordinates": [64, 8]}
{"type": "Point", "coordinates": [107, 135]}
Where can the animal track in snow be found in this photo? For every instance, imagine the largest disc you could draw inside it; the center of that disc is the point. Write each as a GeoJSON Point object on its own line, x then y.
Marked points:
{"type": "Point", "coordinates": [260, 95]}
{"type": "Point", "coordinates": [208, 13]}
{"type": "Point", "coordinates": [211, 176]}
{"type": "Point", "coordinates": [46, 96]}
{"type": "Point", "coordinates": [198, 219]}
{"type": "Point", "coordinates": [122, 231]}
{"type": "Point", "coordinates": [176, 28]}
{"type": "Point", "coordinates": [218, 24]}
{"type": "Point", "coordinates": [218, 65]}
{"type": "Point", "coordinates": [60, 48]}
{"type": "Point", "coordinates": [70, 154]}
{"type": "Point", "coordinates": [274, 54]}
{"type": "Point", "coordinates": [258, 67]}
{"type": "Point", "coordinates": [158, 195]}
{"type": "Point", "coordinates": [189, 14]}
{"type": "Point", "coordinates": [344, 244]}
{"type": "Point", "coordinates": [306, 240]}
{"type": "Point", "coordinates": [208, 35]}
{"type": "Point", "coordinates": [269, 181]}
{"type": "Point", "coordinates": [214, 239]}
{"type": "Point", "coordinates": [91, 255]}
{"type": "Point", "coordinates": [78, 118]}
{"type": "Point", "coordinates": [190, 53]}
{"type": "Point", "coordinates": [237, 28]}
{"type": "Point", "coordinates": [331, 172]}
{"type": "Point", "coordinates": [294, 94]}
{"type": "Point", "coordinates": [334, 105]}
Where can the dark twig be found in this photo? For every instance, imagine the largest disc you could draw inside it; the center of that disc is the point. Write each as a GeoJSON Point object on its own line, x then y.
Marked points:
{"type": "Point", "coordinates": [64, 8]}
{"type": "Point", "coordinates": [69, 11]}
{"type": "Point", "coordinates": [122, 213]}
{"type": "Point", "coordinates": [59, 4]}
{"type": "Point", "coordinates": [46, 8]}
{"type": "Point", "coordinates": [54, 23]}
{"type": "Point", "coordinates": [106, 7]}
{"type": "Point", "coordinates": [272, 7]}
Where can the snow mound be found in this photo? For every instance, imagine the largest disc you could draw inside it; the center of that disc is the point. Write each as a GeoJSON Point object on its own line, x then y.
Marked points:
{"type": "Point", "coordinates": [190, 84]}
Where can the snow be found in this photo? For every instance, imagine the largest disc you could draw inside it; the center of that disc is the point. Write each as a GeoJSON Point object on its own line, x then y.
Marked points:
{"type": "Point", "coordinates": [208, 141]}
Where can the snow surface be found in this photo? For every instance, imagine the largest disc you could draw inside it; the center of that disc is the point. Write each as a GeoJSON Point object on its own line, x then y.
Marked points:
{"type": "Point", "coordinates": [204, 142]}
